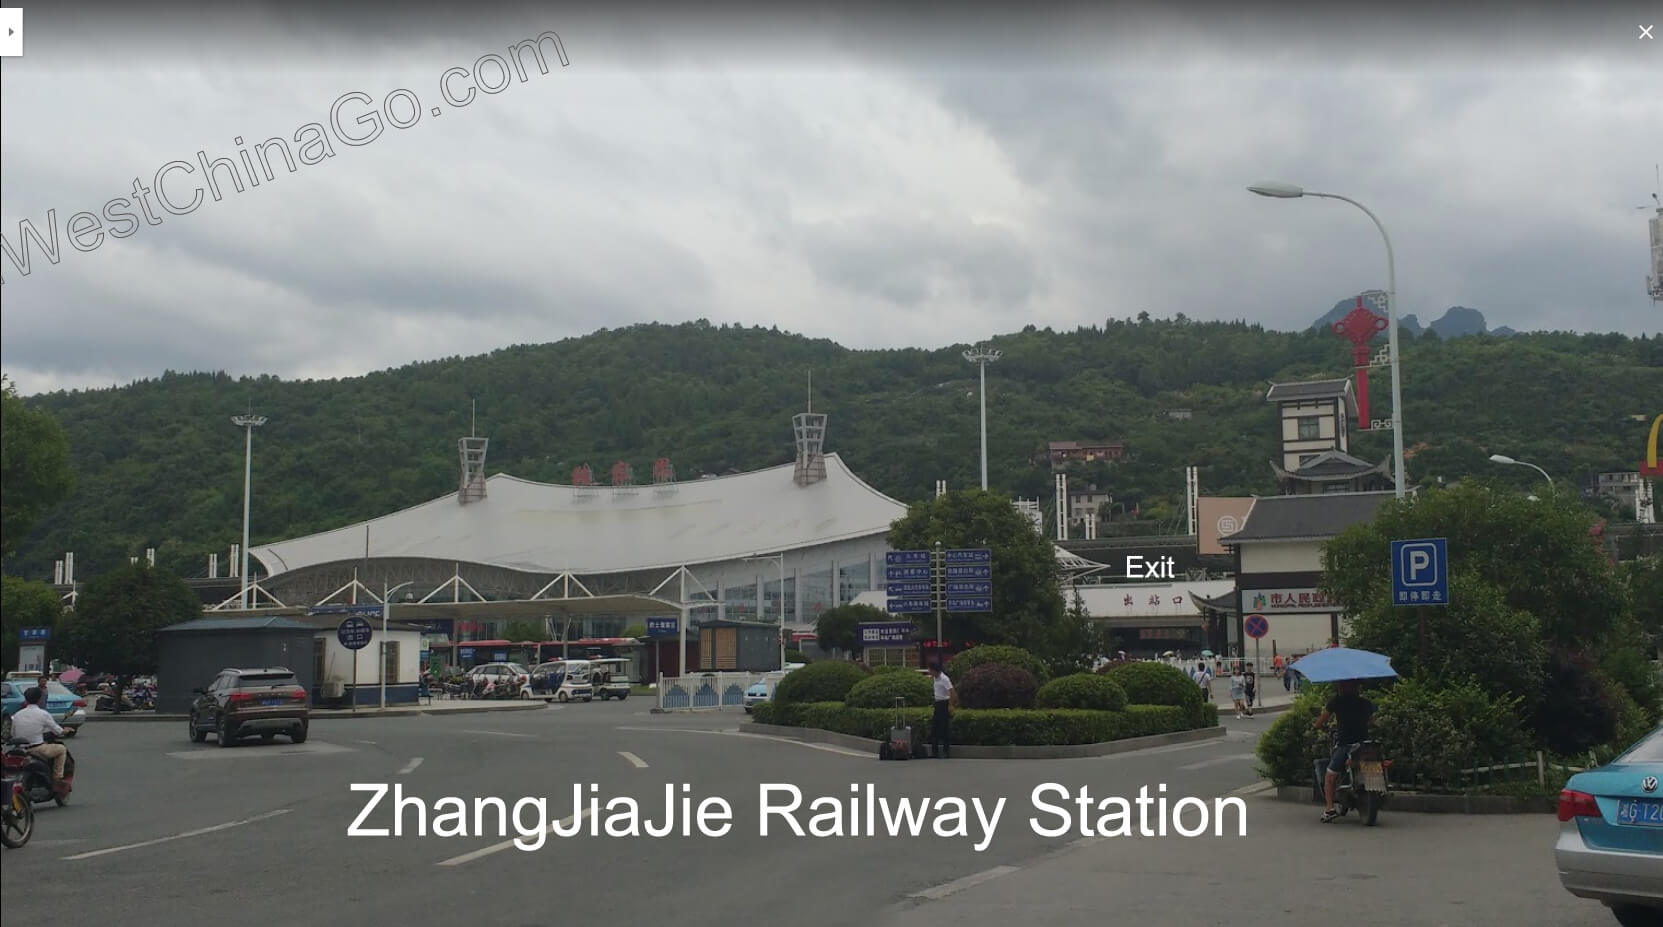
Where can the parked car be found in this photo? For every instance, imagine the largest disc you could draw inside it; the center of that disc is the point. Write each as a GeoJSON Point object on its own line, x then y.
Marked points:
{"type": "Point", "coordinates": [609, 678]}
{"type": "Point", "coordinates": [1610, 845]}
{"type": "Point", "coordinates": [65, 707]}
{"type": "Point", "coordinates": [503, 674]}
{"type": "Point", "coordinates": [763, 690]}
{"type": "Point", "coordinates": [244, 702]}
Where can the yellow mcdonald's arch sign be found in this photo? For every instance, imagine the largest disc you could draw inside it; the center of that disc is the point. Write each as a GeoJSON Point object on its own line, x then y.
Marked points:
{"type": "Point", "coordinates": [1650, 466]}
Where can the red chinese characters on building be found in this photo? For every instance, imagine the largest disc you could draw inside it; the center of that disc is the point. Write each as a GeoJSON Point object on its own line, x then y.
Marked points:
{"type": "Point", "coordinates": [1300, 600]}
{"type": "Point", "coordinates": [622, 474]}
{"type": "Point", "coordinates": [662, 472]}
{"type": "Point", "coordinates": [1127, 602]}
{"type": "Point", "coordinates": [583, 476]}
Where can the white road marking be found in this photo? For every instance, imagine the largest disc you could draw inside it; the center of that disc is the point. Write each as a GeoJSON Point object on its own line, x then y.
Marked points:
{"type": "Point", "coordinates": [639, 763]}
{"type": "Point", "coordinates": [959, 885]}
{"type": "Point", "coordinates": [828, 748]}
{"type": "Point", "coordinates": [506, 734]}
{"type": "Point", "coordinates": [1218, 761]}
{"type": "Point", "coordinates": [410, 767]}
{"type": "Point", "coordinates": [190, 833]}
{"type": "Point", "coordinates": [1086, 841]}
{"type": "Point", "coordinates": [566, 824]}
{"type": "Point", "coordinates": [1255, 788]}
{"type": "Point", "coordinates": [250, 751]}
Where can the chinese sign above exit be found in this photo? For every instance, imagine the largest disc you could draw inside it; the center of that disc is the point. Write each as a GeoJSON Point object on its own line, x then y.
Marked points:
{"type": "Point", "coordinates": [1262, 601]}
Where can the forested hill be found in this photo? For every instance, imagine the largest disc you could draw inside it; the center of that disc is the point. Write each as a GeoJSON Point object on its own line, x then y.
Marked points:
{"type": "Point", "coordinates": [159, 464]}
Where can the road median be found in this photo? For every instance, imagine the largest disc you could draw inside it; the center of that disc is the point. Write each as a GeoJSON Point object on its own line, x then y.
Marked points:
{"type": "Point", "coordinates": [1058, 752]}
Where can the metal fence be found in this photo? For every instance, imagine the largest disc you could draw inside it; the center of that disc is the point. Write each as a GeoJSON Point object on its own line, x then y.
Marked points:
{"type": "Point", "coordinates": [711, 691]}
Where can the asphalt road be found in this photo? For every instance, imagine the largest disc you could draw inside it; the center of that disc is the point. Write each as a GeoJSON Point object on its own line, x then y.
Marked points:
{"type": "Point", "coordinates": [162, 830]}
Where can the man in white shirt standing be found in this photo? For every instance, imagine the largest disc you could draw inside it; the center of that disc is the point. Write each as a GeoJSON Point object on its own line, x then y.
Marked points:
{"type": "Point", "coordinates": [946, 698]}
{"type": "Point", "coordinates": [30, 725]}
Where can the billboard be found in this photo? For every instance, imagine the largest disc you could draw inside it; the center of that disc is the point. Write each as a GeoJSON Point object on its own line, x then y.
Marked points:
{"type": "Point", "coordinates": [1217, 516]}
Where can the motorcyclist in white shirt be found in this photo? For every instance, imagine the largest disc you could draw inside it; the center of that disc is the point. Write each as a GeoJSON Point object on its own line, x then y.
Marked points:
{"type": "Point", "coordinates": [30, 725]}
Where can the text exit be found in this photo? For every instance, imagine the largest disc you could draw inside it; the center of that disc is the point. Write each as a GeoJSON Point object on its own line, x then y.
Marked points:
{"type": "Point", "coordinates": [1141, 567]}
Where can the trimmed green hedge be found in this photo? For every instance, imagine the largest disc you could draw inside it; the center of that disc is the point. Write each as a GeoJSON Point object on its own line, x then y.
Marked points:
{"type": "Point", "coordinates": [1023, 727]}
{"type": "Point", "coordinates": [882, 668]}
{"type": "Point", "coordinates": [960, 666]}
{"type": "Point", "coordinates": [880, 690]}
{"type": "Point", "coordinates": [819, 682]}
{"type": "Point", "coordinates": [1082, 690]}
{"type": "Point", "coordinates": [1149, 683]}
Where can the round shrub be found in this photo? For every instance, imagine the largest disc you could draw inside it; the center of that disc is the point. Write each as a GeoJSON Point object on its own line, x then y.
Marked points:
{"type": "Point", "coordinates": [1082, 690]}
{"type": "Point", "coordinates": [1156, 684]}
{"type": "Point", "coordinates": [829, 681]}
{"type": "Point", "coordinates": [891, 668]}
{"type": "Point", "coordinates": [1288, 750]}
{"type": "Point", "coordinates": [995, 685]}
{"type": "Point", "coordinates": [962, 665]}
{"type": "Point", "coordinates": [880, 690]}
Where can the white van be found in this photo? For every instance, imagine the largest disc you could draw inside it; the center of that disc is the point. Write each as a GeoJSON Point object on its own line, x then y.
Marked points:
{"type": "Point", "coordinates": [573, 676]}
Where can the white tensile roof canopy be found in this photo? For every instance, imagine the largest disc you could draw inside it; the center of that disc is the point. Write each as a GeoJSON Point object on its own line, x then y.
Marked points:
{"type": "Point", "coordinates": [548, 528]}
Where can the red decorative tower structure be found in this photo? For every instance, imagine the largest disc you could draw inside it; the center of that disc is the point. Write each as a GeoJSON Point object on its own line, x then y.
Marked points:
{"type": "Point", "coordinates": [1360, 327]}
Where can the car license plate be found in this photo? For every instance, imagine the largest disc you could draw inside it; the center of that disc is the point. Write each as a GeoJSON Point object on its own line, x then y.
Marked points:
{"type": "Point", "coordinates": [276, 701]}
{"type": "Point", "coordinates": [1643, 811]}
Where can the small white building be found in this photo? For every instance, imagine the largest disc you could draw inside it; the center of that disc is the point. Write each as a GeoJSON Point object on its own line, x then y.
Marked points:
{"type": "Point", "coordinates": [354, 676]}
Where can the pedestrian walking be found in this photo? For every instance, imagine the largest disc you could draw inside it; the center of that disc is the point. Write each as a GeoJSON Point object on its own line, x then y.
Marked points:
{"type": "Point", "coordinates": [946, 699]}
{"type": "Point", "coordinates": [1252, 691]}
{"type": "Point", "coordinates": [1287, 676]}
{"type": "Point", "coordinates": [1238, 689]}
{"type": "Point", "coordinates": [1204, 678]}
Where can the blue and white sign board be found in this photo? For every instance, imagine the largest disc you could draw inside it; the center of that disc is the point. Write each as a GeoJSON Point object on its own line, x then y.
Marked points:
{"type": "Point", "coordinates": [891, 633]}
{"type": "Point", "coordinates": [366, 611]}
{"type": "Point", "coordinates": [466, 653]}
{"type": "Point", "coordinates": [501, 656]}
{"type": "Point", "coordinates": [969, 572]}
{"type": "Point", "coordinates": [354, 633]}
{"type": "Point", "coordinates": [663, 627]}
{"type": "Point", "coordinates": [906, 558]}
{"type": "Point", "coordinates": [910, 606]}
{"type": "Point", "coordinates": [970, 605]}
{"type": "Point", "coordinates": [981, 555]}
{"type": "Point", "coordinates": [1420, 572]}
{"type": "Point", "coordinates": [908, 589]}
{"type": "Point", "coordinates": [33, 635]}
{"type": "Point", "coordinates": [963, 589]}
{"type": "Point", "coordinates": [905, 574]}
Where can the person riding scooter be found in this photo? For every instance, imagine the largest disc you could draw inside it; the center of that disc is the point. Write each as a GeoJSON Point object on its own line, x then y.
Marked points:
{"type": "Point", "coordinates": [1353, 712]}
{"type": "Point", "coordinates": [30, 725]}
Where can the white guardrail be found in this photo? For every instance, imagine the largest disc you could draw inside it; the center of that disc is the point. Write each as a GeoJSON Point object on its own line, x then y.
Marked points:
{"type": "Point", "coordinates": [711, 691]}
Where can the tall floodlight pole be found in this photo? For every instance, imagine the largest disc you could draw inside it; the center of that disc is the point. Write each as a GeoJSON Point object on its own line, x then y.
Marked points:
{"type": "Point", "coordinates": [1288, 191]}
{"type": "Point", "coordinates": [247, 423]}
{"type": "Point", "coordinates": [981, 357]}
{"type": "Point", "coordinates": [779, 561]}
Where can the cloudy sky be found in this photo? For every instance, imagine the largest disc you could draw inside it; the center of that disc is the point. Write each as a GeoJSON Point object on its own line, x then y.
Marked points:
{"type": "Point", "coordinates": [847, 175]}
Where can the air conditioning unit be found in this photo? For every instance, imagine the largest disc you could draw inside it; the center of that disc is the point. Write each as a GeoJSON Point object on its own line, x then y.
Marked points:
{"type": "Point", "coordinates": [334, 689]}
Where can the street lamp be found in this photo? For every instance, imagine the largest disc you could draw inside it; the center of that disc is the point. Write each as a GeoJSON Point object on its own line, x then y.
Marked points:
{"type": "Point", "coordinates": [247, 423]}
{"type": "Point", "coordinates": [981, 358]}
{"type": "Point", "coordinates": [779, 561]}
{"type": "Point", "coordinates": [1287, 191]}
{"type": "Point", "coordinates": [1504, 459]}
{"type": "Point", "coordinates": [386, 612]}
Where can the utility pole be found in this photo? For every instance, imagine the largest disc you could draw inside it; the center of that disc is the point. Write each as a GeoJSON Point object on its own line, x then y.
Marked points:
{"type": "Point", "coordinates": [248, 423]}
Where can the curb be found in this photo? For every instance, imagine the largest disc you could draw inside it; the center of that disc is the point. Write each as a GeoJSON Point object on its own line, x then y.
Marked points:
{"type": "Point", "coordinates": [1060, 752]}
{"type": "Point", "coordinates": [331, 714]}
{"type": "Point", "coordinates": [1416, 803]}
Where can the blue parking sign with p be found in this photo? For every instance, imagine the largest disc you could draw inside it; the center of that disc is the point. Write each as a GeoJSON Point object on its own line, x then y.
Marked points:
{"type": "Point", "coordinates": [1420, 572]}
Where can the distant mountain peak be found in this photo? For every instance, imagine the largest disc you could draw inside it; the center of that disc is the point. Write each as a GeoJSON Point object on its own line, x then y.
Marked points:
{"type": "Point", "coordinates": [1456, 322]}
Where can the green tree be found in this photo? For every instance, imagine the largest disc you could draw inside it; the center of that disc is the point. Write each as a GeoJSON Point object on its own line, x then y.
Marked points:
{"type": "Point", "coordinates": [636, 630]}
{"type": "Point", "coordinates": [839, 628]}
{"type": "Point", "coordinates": [26, 604]}
{"type": "Point", "coordinates": [113, 626]}
{"type": "Point", "coordinates": [34, 467]}
{"type": "Point", "coordinates": [1028, 607]}
{"type": "Point", "coordinates": [1645, 583]}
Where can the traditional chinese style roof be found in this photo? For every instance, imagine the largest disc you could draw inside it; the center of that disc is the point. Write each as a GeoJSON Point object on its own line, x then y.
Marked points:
{"type": "Point", "coordinates": [1316, 517]}
{"type": "Point", "coordinates": [547, 528]}
{"type": "Point", "coordinates": [1332, 466]}
{"type": "Point", "coordinates": [1314, 390]}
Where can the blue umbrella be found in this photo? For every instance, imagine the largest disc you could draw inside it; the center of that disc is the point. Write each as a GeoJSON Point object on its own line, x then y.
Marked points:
{"type": "Point", "coordinates": [1339, 663]}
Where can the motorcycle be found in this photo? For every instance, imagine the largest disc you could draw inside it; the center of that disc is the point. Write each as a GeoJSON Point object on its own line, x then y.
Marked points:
{"type": "Point", "coordinates": [35, 773]}
{"type": "Point", "coordinates": [17, 815]}
{"type": "Point", "coordinates": [1362, 787]}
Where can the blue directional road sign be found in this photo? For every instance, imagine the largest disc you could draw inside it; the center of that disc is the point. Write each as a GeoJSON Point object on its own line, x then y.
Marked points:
{"type": "Point", "coordinates": [908, 589]}
{"type": "Point", "coordinates": [964, 589]}
{"type": "Point", "coordinates": [970, 605]}
{"type": "Point", "coordinates": [968, 556]}
{"type": "Point", "coordinates": [354, 633]}
{"type": "Point", "coordinates": [1420, 572]}
{"type": "Point", "coordinates": [969, 572]}
{"type": "Point", "coordinates": [910, 606]}
{"type": "Point", "coordinates": [36, 635]}
{"type": "Point", "coordinates": [906, 557]}
{"type": "Point", "coordinates": [903, 574]}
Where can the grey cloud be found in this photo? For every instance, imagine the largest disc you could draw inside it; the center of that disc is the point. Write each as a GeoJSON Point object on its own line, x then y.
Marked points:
{"type": "Point", "coordinates": [909, 263]}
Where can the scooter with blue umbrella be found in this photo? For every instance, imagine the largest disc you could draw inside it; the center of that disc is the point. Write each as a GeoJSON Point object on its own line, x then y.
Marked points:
{"type": "Point", "coordinates": [1363, 786]}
